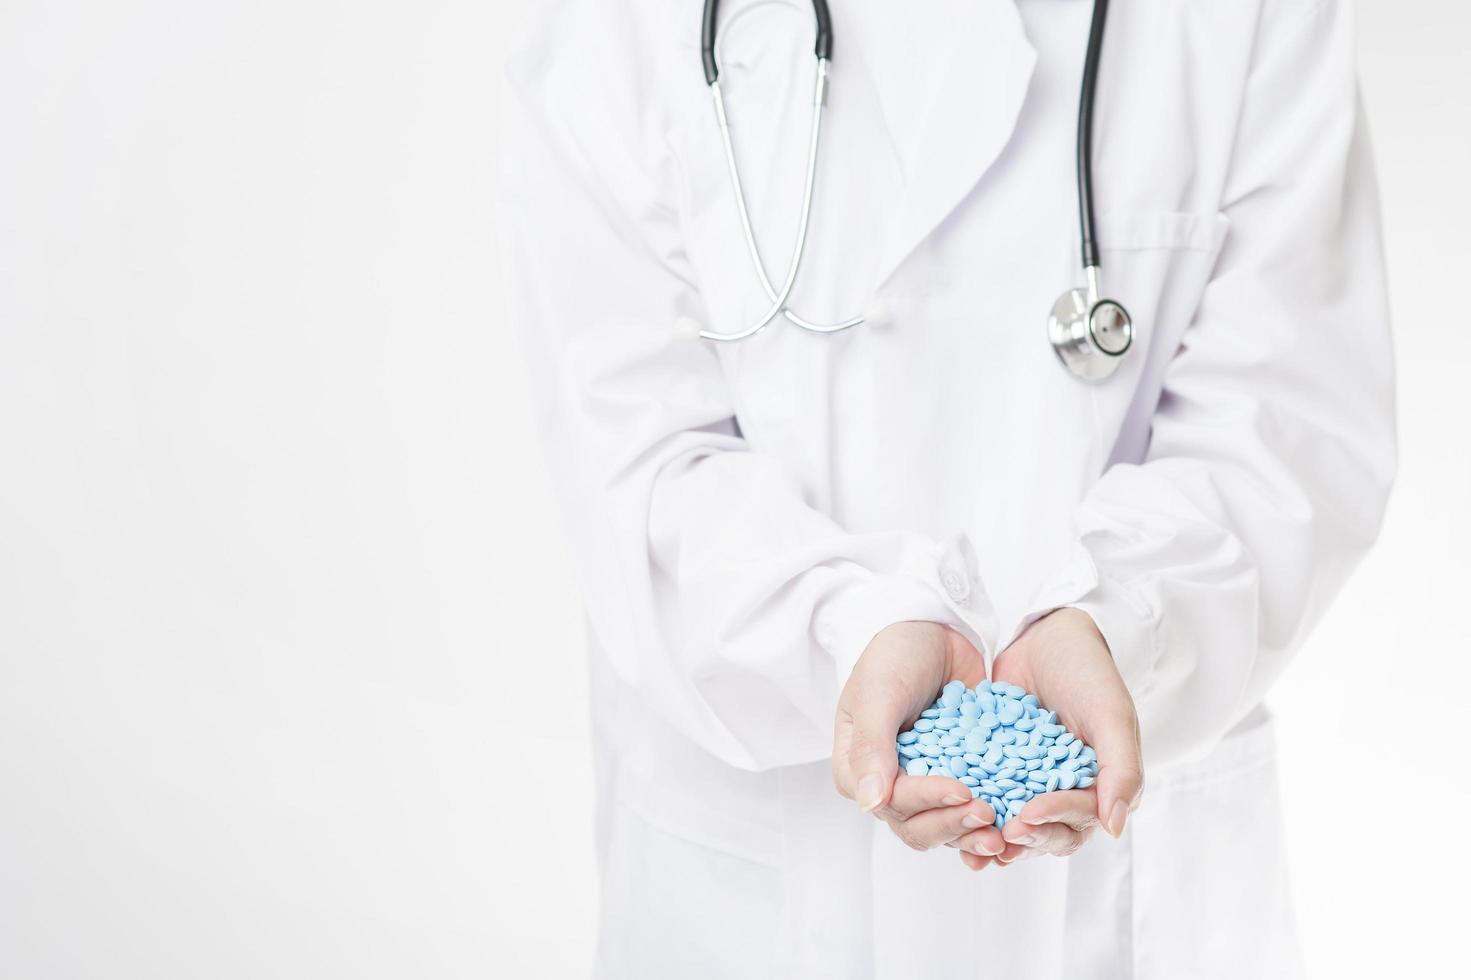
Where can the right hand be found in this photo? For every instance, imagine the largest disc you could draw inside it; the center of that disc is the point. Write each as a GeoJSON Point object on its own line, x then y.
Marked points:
{"type": "Point", "coordinates": [899, 675]}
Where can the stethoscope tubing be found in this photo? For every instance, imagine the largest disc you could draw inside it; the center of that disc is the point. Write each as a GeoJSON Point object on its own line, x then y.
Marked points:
{"type": "Point", "coordinates": [822, 50]}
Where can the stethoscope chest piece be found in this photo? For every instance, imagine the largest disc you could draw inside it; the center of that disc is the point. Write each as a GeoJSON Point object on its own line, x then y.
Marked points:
{"type": "Point", "coordinates": [1090, 336]}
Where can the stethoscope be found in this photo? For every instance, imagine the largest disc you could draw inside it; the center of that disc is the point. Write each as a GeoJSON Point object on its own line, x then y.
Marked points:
{"type": "Point", "coordinates": [1089, 333]}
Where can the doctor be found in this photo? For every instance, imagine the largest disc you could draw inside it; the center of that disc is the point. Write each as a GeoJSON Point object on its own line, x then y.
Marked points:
{"type": "Point", "coordinates": [788, 542]}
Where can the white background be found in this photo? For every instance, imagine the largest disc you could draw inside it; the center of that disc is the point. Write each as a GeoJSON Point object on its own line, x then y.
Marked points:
{"type": "Point", "coordinates": [282, 601]}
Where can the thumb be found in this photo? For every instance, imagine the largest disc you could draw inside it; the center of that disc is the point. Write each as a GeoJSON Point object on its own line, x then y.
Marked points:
{"type": "Point", "coordinates": [1120, 771]}
{"type": "Point", "coordinates": [872, 761]}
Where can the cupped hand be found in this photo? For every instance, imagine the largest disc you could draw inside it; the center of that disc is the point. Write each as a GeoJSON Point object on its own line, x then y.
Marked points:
{"type": "Point", "coordinates": [899, 675]}
{"type": "Point", "coordinates": [1064, 660]}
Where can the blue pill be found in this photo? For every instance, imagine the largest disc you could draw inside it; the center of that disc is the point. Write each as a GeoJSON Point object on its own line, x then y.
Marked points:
{"type": "Point", "coordinates": [1000, 742]}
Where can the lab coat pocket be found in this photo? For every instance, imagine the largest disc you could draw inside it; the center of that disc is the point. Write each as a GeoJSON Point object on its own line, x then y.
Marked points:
{"type": "Point", "coordinates": [1158, 264]}
{"type": "Point", "coordinates": [1210, 895]}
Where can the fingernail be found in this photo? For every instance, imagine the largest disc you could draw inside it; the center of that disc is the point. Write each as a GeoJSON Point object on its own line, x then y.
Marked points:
{"type": "Point", "coordinates": [954, 798]}
{"type": "Point", "coordinates": [870, 791]}
{"type": "Point", "coordinates": [1026, 841]}
{"type": "Point", "coordinates": [1116, 818]}
{"type": "Point", "coordinates": [970, 821]}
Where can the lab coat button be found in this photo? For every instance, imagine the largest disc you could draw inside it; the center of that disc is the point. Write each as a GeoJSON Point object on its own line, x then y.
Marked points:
{"type": "Point", "coordinates": [958, 569]}
{"type": "Point", "coordinates": [956, 586]}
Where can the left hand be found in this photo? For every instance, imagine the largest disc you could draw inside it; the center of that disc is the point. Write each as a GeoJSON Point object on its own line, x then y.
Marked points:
{"type": "Point", "coordinates": [1063, 659]}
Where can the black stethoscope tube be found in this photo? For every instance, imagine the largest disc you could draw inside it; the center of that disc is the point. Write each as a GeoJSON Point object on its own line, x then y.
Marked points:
{"type": "Point", "coordinates": [1085, 134]}
{"type": "Point", "coordinates": [823, 48]}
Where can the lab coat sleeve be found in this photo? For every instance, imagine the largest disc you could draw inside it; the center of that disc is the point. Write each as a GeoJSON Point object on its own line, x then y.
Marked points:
{"type": "Point", "coordinates": [731, 604]}
{"type": "Point", "coordinates": [1272, 448]}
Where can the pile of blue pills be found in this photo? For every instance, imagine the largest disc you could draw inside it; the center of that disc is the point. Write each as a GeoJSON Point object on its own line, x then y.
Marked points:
{"type": "Point", "coordinates": [998, 740]}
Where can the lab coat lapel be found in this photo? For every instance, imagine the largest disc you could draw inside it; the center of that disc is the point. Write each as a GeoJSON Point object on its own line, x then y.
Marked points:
{"type": "Point", "coordinates": [951, 76]}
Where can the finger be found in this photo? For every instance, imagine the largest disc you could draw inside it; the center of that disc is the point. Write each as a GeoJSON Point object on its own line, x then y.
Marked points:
{"type": "Point", "coordinates": [986, 842]}
{"type": "Point", "coordinates": [1049, 838]}
{"type": "Point", "coordinates": [1075, 808]}
{"type": "Point", "coordinates": [870, 762]}
{"type": "Point", "coordinates": [1120, 769]}
{"type": "Point", "coordinates": [975, 862]}
{"type": "Point", "coordinates": [933, 828]}
{"type": "Point", "coordinates": [916, 794]}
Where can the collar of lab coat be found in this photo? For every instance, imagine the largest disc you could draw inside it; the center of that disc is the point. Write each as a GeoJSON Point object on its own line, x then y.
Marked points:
{"type": "Point", "coordinates": [951, 77]}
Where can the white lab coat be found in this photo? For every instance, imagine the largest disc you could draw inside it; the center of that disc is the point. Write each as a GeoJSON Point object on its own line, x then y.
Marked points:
{"type": "Point", "coordinates": [745, 517]}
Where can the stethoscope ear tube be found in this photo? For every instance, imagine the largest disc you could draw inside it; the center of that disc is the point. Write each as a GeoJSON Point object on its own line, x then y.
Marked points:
{"type": "Point", "coordinates": [823, 48]}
